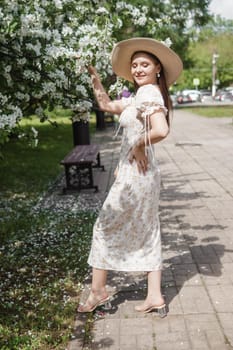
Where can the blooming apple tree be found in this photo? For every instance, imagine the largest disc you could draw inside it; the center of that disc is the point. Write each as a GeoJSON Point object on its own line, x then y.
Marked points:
{"type": "Point", "coordinates": [45, 47]}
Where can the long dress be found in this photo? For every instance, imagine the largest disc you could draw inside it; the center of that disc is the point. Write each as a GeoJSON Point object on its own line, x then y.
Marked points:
{"type": "Point", "coordinates": [126, 234]}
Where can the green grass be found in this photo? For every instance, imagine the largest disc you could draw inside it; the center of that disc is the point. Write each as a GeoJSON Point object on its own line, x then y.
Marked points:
{"type": "Point", "coordinates": [212, 112]}
{"type": "Point", "coordinates": [43, 253]}
{"type": "Point", "coordinates": [27, 169]}
{"type": "Point", "coordinates": [43, 263]}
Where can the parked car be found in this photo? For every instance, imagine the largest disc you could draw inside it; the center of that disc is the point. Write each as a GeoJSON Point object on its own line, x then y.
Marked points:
{"type": "Point", "coordinates": [230, 89]}
{"type": "Point", "coordinates": [174, 100]}
{"type": "Point", "coordinates": [195, 95]}
{"type": "Point", "coordinates": [183, 98]}
{"type": "Point", "coordinates": [189, 96]}
{"type": "Point", "coordinates": [224, 95]}
{"type": "Point", "coordinates": [206, 95]}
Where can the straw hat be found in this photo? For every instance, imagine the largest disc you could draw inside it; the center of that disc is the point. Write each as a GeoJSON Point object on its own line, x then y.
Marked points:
{"type": "Point", "coordinates": [123, 51]}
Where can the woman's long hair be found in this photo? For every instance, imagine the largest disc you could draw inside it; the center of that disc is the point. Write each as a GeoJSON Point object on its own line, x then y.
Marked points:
{"type": "Point", "coordinates": [161, 81]}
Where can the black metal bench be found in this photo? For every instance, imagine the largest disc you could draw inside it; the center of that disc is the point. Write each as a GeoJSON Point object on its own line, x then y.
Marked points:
{"type": "Point", "coordinates": [79, 164]}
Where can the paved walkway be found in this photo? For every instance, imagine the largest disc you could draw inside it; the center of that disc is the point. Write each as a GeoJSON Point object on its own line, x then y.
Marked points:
{"type": "Point", "coordinates": [196, 213]}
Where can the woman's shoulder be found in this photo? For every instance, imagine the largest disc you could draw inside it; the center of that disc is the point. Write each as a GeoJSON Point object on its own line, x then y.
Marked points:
{"type": "Point", "coordinates": [149, 88]}
{"type": "Point", "coordinates": [149, 92]}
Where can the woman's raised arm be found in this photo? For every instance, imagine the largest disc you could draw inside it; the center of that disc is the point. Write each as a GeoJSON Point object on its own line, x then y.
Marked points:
{"type": "Point", "coordinates": [104, 101]}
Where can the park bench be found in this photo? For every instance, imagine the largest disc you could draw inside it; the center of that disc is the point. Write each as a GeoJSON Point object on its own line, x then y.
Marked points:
{"type": "Point", "coordinates": [79, 164]}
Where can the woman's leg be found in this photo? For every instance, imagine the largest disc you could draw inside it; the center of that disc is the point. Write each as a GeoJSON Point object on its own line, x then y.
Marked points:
{"type": "Point", "coordinates": [154, 287]}
{"type": "Point", "coordinates": [98, 291]}
{"type": "Point", "coordinates": [99, 279]}
{"type": "Point", "coordinates": [154, 296]}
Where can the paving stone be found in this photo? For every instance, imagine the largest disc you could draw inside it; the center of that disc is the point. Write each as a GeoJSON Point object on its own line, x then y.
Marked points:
{"type": "Point", "coordinates": [226, 320]}
{"type": "Point", "coordinates": [169, 325]}
{"type": "Point", "coordinates": [173, 337]}
{"type": "Point", "coordinates": [199, 340]}
{"type": "Point", "coordinates": [215, 338]}
{"type": "Point", "coordinates": [186, 274]}
{"type": "Point", "coordinates": [201, 322]}
{"type": "Point", "coordinates": [222, 297]}
{"type": "Point", "coordinates": [136, 326]}
{"type": "Point", "coordinates": [180, 345]}
{"type": "Point", "coordinates": [173, 300]}
{"type": "Point", "coordinates": [195, 300]}
{"type": "Point", "coordinates": [129, 340]}
{"type": "Point", "coordinates": [145, 341]}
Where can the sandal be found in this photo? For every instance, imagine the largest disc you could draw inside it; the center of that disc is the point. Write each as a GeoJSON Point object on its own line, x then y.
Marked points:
{"type": "Point", "coordinates": [104, 301]}
{"type": "Point", "coordinates": [161, 310]}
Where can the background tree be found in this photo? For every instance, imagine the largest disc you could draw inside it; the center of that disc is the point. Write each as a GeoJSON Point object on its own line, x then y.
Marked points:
{"type": "Point", "coordinates": [173, 19]}
{"type": "Point", "coordinates": [40, 41]}
{"type": "Point", "coordinates": [216, 37]}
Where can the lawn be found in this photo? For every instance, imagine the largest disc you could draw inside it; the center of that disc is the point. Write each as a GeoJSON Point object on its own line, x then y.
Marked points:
{"type": "Point", "coordinates": [212, 112]}
{"type": "Point", "coordinates": [27, 169]}
{"type": "Point", "coordinates": [43, 253]}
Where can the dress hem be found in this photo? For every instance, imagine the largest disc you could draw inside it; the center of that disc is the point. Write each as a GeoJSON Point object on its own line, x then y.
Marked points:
{"type": "Point", "coordinates": [160, 268]}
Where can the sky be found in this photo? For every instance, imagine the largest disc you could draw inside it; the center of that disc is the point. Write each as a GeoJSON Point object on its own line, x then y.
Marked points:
{"type": "Point", "coordinates": [222, 7]}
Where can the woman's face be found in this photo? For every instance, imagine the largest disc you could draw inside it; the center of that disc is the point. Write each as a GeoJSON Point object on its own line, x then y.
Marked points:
{"type": "Point", "coordinates": [144, 69]}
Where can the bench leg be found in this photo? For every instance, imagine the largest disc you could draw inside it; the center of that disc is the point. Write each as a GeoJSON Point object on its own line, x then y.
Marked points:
{"type": "Point", "coordinates": [79, 177]}
{"type": "Point", "coordinates": [91, 179]}
{"type": "Point", "coordinates": [67, 179]}
{"type": "Point", "coordinates": [98, 165]}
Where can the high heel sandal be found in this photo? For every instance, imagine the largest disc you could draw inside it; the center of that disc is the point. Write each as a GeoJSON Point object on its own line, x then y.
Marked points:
{"type": "Point", "coordinates": [103, 302]}
{"type": "Point", "coordinates": [161, 310]}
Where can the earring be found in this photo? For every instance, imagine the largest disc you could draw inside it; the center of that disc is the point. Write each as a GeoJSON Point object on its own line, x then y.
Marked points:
{"type": "Point", "coordinates": [158, 75]}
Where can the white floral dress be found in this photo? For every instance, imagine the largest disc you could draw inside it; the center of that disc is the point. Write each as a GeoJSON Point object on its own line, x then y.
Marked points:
{"type": "Point", "coordinates": [126, 234]}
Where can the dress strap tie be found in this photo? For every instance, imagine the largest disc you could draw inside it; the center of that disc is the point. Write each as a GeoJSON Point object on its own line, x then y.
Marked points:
{"type": "Point", "coordinates": [146, 135]}
{"type": "Point", "coordinates": [117, 131]}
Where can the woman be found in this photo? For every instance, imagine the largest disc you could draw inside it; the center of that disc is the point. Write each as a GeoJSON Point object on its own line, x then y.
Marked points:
{"type": "Point", "coordinates": [126, 235]}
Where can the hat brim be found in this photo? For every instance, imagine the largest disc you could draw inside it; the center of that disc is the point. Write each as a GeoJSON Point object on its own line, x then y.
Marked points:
{"type": "Point", "coordinates": [123, 51]}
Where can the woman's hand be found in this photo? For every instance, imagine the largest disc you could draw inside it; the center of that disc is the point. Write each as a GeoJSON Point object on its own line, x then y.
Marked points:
{"type": "Point", "coordinates": [104, 102]}
{"type": "Point", "coordinates": [138, 154]}
{"type": "Point", "coordinates": [92, 70]}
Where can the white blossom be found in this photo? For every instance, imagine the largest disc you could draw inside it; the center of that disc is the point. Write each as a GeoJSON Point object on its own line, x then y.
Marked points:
{"type": "Point", "coordinates": [167, 42]}
{"type": "Point", "coordinates": [50, 46]}
{"type": "Point", "coordinates": [8, 68]}
{"type": "Point", "coordinates": [36, 48]}
{"type": "Point", "coordinates": [66, 30]}
{"type": "Point", "coordinates": [19, 95]}
{"type": "Point", "coordinates": [39, 111]}
{"type": "Point", "coordinates": [58, 4]}
{"type": "Point", "coordinates": [31, 75]}
{"type": "Point", "coordinates": [35, 132]}
{"type": "Point", "coordinates": [102, 11]}
{"type": "Point", "coordinates": [82, 90]}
